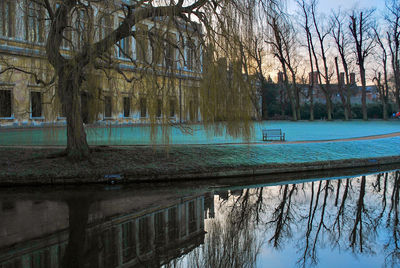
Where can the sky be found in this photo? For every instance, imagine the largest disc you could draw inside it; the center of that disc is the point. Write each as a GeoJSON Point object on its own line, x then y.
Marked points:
{"type": "Point", "coordinates": [326, 5]}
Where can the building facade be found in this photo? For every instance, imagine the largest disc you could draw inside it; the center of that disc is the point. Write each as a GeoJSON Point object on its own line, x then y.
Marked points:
{"type": "Point", "coordinates": [152, 77]}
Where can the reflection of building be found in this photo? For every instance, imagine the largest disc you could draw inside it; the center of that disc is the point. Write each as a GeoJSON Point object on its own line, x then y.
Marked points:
{"type": "Point", "coordinates": [114, 238]}
{"type": "Point", "coordinates": [209, 209]}
{"type": "Point", "coordinates": [236, 192]}
{"type": "Point", "coordinates": [224, 195]}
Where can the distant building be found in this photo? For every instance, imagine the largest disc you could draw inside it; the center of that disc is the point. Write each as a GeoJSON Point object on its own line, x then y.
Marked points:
{"type": "Point", "coordinates": [318, 94]}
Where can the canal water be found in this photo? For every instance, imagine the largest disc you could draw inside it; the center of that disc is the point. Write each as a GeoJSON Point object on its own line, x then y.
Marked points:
{"type": "Point", "coordinates": [347, 221]}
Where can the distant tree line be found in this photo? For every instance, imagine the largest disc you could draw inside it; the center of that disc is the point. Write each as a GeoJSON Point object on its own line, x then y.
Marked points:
{"type": "Point", "coordinates": [321, 51]}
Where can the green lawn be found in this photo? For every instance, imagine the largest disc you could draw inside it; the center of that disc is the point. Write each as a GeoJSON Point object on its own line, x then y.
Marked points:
{"type": "Point", "coordinates": [132, 135]}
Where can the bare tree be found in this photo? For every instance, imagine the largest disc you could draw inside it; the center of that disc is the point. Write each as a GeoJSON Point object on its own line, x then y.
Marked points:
{"type": "Point", "coordinates": [307, 28]}
{"type": "Point", "coordinates": [322, 32]}
{"type": "Point", "coordinates": [383, 86]}
{"type": "Point", "coordinates": [342, 42]}
{"type": "Point", "coordinates": [283, 44]}
{"type": "Point", "coordinates": [393, 36]}
{"type": "Point", "coordinates": [361, 29]}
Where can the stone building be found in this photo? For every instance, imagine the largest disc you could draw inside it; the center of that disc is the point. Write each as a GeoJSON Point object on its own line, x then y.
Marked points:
{"type": "Point", "coordinates": [107, 96]}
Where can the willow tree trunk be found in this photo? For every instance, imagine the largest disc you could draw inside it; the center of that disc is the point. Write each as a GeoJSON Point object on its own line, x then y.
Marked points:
{"type": "Point", "coordinates": [69, 90]}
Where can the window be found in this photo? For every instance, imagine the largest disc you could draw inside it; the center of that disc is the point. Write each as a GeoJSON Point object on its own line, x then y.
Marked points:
{"type": "Point", "coordinates": [192, 111]}
{"type": "Point", "coordinates": [34, 22]}
{"type": "Point", "coordinates": [192, 217]}
{"type": "Point", "coordinates": [67, 36]}
{"type": "Point", "coordinates": [183, 220]}
{"type": "Point", "coordinates": [159, 228]}
{"type": "Point", "coordinates": [181, 51]}
{"type": "Point", "coordinates": [5, 103]}
{"type": "Point", "coordinates": [12, 263]}
{"type": "Point", "coordinates": [143, 107]}
{"type": "Point", "coordinates": [128, 241]}
{"type": "Point", "coordinates": [36, 104]}
{"type": "Point", "coordinates": [170, 51]}
{"type": "Point", "coordinates": [172, 224]}
{"type": "Point", "coordinates": [107, 107]}
{"type": "Point", "coordinates": [105, 25]}
{"type": "Point", "coordinates": [7, 18]}
{"type": "Point", "coordinates": [124, 50]}
{"type": "Point", "coordinates": [127, 106]}
{"type": "Point", "coordinates": [190, 55]}
{"type": "Point", "coordinates": [172, 107]}
{"type": "Point", "coordinates": [142, 42]}
{"type": "Point", "coordinates": [105, 28]}
{"type": "Point", "coordinates": [82, 27]}
{"type": "Point", "coordinates": [144, 235]}
{"type": "Point", "coordinates": [159, 108]}
{"type": "Point", "coordinates": [109, 258]}
{"type": "Point", "coordinates": [157, 46]}
{"type": "Point", "coordinates": [41, 258]}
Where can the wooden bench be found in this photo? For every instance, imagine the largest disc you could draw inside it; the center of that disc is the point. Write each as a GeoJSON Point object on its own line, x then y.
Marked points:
{"type": "Point", "coordinates": [273, 134]}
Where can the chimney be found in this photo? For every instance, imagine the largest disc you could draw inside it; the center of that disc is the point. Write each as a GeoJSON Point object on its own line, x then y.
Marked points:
{"type": "Point", "coordinates": [280, 77]}
{"type": "Point", "coordinates": [352, 78]}
{"type": "Point", "coordinates": [311, 76]}
{"type": "Point", "coordinates": [341, 79]}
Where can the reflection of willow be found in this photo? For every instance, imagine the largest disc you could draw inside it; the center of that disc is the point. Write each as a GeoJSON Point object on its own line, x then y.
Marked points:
{"type": "Point", "coordinates": [232, 240]}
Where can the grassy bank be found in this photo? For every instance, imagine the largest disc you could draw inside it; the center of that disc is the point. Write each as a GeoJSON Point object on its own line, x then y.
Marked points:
{"type": "Point", "coordinates": [143, 163]}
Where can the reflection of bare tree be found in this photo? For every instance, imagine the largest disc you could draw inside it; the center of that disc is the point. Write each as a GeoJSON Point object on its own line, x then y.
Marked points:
{"type": "Point", "coordinates": [310, 247]}
{"type": "Point", "coordinates": [282, 217]}
{"type": "Point", "coordinates": [345, 214]}
{"type": "Point", "coordinates": [232, 240]}
{"type": "Point", "coordinates": [392, 246]}
{"type": "Point", "coordinates": [310, 216]}
{"type": "Point", "coordinates": [227, 246]}
{"type": "Point", "coordinates": [358, 223]}
{"type": "Point", "coordinates": [364, 230]}
{"type": "Point", "coordinates": [249, 205]}
{"type": "Point", "coordinates": [339, 220]}
{"type": "Point", "coordinates": [378, 188]}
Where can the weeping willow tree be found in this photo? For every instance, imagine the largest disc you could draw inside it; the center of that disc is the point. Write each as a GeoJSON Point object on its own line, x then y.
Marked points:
{"type": "Point", "coordinates": [97, 51]}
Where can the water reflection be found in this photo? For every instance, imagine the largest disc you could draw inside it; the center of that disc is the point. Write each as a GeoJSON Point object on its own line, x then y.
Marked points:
{"type": "Point", "coordinates": [101, 233]}
{"type": "Point", "coordinates": [353, 220]}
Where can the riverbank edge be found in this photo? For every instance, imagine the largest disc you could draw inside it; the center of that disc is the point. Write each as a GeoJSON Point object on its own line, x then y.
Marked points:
{"type": "Point", "coordinates": [220, 173]}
